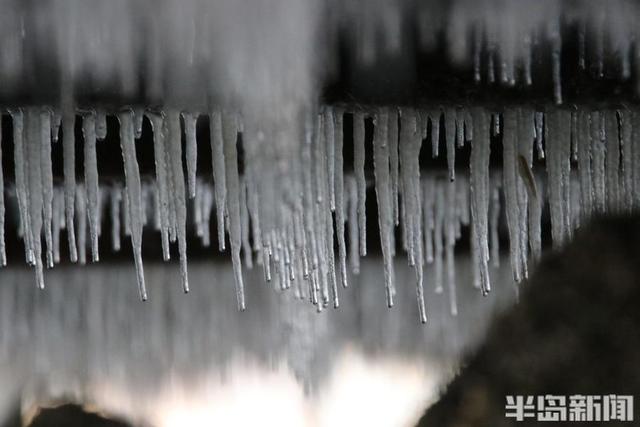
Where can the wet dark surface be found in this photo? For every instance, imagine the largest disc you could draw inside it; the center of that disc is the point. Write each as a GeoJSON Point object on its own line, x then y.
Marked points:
{"type": "Point", "coordinates": [575, 331]}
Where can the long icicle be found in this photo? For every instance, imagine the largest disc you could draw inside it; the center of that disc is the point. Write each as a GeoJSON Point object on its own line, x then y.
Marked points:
{"type": "Point", "coordinates": [47, 182]}
{"type": "Point", "coordinates": [382, 185]}
{"type": "Point", "coordinates": [190, 120]}
{"type": "Point", "coordinates": [69, 158]}
{"type": "Point", "coordinates": [173, 147]}
{"type": "Point", "coordinates": [510, 185]}
{"type": "Point", "coordinates": [450, 136]}
{"type": "Point", "coordinates": [339, 194]}
{"type": "Point", "coordinates": [230, 135]}
{"type": "Point", "coordinates": [219, 174]}
{"type": "Point", "coordinates": [358, 167]}
{"type": "Point", "coordinates": [35, 191]}
{"type": "Point", "coordinates": [354, 244]}
{"type": "Point", "coordinates": [91, 180]}
{"type": "Point", "coordinates": [157, 124]}
{"type": "Point", "coordinates": [534, 206]}
{"type": "Point", "coordinates": [134, 194]}
{"type": "Point", "coordinates": [393, 162]}
{"type": "Point", "coordinates": [479, 185]}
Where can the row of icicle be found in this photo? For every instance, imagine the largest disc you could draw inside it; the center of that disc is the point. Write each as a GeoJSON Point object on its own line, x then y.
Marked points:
{"type": "Point", "coordinates": [290, 222]}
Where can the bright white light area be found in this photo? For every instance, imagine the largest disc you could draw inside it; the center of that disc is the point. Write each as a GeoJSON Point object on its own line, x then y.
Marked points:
{"type": "Point", "coordinates": [381, 392]}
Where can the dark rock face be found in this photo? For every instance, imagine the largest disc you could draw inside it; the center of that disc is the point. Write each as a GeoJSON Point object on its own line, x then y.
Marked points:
{"type": "Point", "coordinates": [72, 416]}
{"type": "Point", "coordinates": [576, 330]}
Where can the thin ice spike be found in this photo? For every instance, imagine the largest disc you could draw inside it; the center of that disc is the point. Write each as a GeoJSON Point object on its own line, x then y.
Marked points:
{"type": "Point", "coordinates": [35, 190]}
{"type": "Point", "coordinates": [359, 157]}
{"type": "Point", "coordinates": [479, 185]}
{"type": "Point", "coordinates": [91, 180]}
{"type": "Point", "coordinates": [219, 174]}
{"type": "Point", "coordinates": [133, 194]}
{"type": "Point", "coordinates": [47, 182]}
{"type": "Point", "coordinates": [190, 120]}
{"type": "Point", "coordinates": [230, 135]}
{"type": "Point", "coordinates": [385, 214]}
{"type": "Point", "coordinates": [393, 162]}
{"type": "Point", "coordinates": [161, 166]}
{"type": "Point", "coordinates": [339, 194]}
{"type": "Point", "coordinates": [68, 147]}
{"type": "Point", "coordinates": [173, 147]}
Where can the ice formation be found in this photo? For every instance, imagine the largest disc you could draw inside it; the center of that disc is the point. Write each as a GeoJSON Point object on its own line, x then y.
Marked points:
{"type": "Point", "coordinates": [293, 231]}
{"type": "Point", "coordinates": [285, 193]}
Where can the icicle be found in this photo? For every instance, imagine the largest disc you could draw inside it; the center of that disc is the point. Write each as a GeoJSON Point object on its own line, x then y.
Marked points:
{"type": "Point", "coordinates": [162, 180]}
{"type": "Point", "coordinates": [219, 174]}
{"type": "Point", "coordinates": [138, 118]}
{"type": "Point", "coordinates": [230, 135]}
{"type": "Point", "coordinates": [69, 158]}
{"type": "Point", "coordinates": [329, 136]}
{"type": "Point", "coordinates": [598, 152]}
{"type": "Point", "coordinates": [582, 30]}
{"type": "Point", "coordinates": [438, 236]}
{"type": "Point", "coordinates": [358, 166]}
{"type": "Point", "coordinates": [494, 219]}
{"type": "Point", "coordinates": [468, 126]}
{"type": "Point", "coordinates": [411, 121]}
{"type": "Point", "coordinates": [539, 126]}
{"type": "Point", "coordinates": [56, 119]}
{"type": "Point", "coordinates": [612, 162]}
{"type": "Point", "coordinates": [556, 51]}
{"type": "Point", "coordinates": [527, 188]}
{"type": "Point", "coordinates": [190, 120]}
{"type": "Point", "coordinates": [532, 212]}
{"type": "Point", "coordinates": [339, 194]}
{"type": "Point", "coordinates": [19, 156]}
{"type": "Point", "coordinates": [58, 222]}
{"type": "Point", "coordinates": [173, 147]}
{"type": "Point", "coordinates": [134, 195]}
{"type": "Point", "coordinates": [91, 180]}
{"type": "Point", "coordinates": [555, 138]}
{"type": "Point", "coordinates": [47, 182]}
{"type": "Point", "coordinates": [510, 185]}
{"type": "Point", "coordinates": [101, 125]}
{"type": "Point", "coordinates": [627, 157]}
{"type": "Point", "coordinates": [479, 185]}
{"type": "Point", "coordinates": [34, 189]}
{"type": "Point", "coordinates": [477, 51]}
{"type": "Point", "coordinates": [393, 162]}
{"type": "Point", "coordinates": [435, 132]}
{"type": "Point", "coordinates": [244, 225]}
{"type": "Point", "coordinates": [81, 208]}
{"type": "Point", "coordinates": [385, 214]}
{"type": "Point", "coordinates": [354, 244]}
{"type": "Point", "coordinates": [584, 164]}
{"type": "Point", "coordinates": [450, 135]}
{"type": "Point", "coordinates": [323, 214]}
{"type": "Point", "coordinates": [460, 128]}
{"type": "Point", "coordinates": [527, 60]}
{"type": "Point", "coordinates": [116, 197]}
{"type": "Point", "coordinates": [407, 130]}
{"type": "Point", "coordinates": [3, 251]}
{"type": "Point", "coordinates": [451, 219]}
{"type": "Point", "coordinates": [496, 123]}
